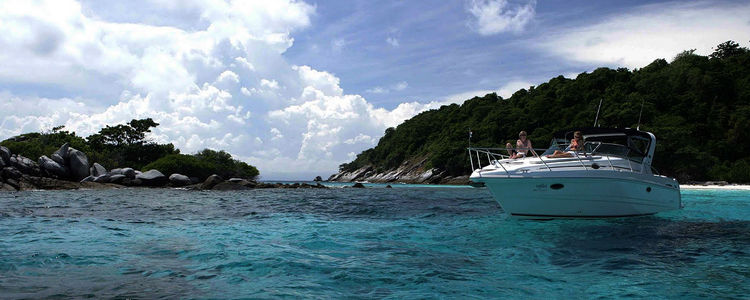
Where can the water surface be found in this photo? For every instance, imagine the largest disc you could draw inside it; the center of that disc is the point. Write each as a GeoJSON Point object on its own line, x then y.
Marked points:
{"type": "Point", "coordinates": [405, 242]}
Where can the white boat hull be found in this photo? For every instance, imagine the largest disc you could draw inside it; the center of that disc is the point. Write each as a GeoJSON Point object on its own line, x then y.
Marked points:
{"type": "Point", "coordinates": [600, 194]}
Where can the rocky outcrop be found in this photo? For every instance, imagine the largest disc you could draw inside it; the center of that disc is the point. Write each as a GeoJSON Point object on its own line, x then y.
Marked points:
{"type": "Point", "coordinates": [412, 171]}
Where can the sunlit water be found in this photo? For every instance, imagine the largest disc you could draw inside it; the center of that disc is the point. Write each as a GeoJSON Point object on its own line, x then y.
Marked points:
{"type": "Point", "coordinates": [405, 242]}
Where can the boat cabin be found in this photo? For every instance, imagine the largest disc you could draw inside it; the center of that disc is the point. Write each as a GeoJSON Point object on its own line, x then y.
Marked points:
{"type": "Point", "coordinates": [633, 144]}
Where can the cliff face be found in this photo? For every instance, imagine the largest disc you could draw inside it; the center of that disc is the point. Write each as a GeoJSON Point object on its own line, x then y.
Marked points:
{"type": "Point", "coordinates": [410, 171]}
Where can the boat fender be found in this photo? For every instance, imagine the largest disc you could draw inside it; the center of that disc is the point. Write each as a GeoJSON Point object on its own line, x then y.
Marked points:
{"type": "Point", "coordinates": [556, 186]}
{"type": "Point", "coordinates": [595, 166]}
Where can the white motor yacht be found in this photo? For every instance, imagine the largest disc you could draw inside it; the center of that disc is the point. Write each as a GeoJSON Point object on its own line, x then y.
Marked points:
{"type": "Point", "coordinates": [611, 177]}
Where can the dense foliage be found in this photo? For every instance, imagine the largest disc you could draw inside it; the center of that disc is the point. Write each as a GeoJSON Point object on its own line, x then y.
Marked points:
{"type": "Point", "coordinates": [204, 164]}
{"type": "Point", "coordinates": [697, 106]}
{"type": "Point", "coordinates": [126, 145]}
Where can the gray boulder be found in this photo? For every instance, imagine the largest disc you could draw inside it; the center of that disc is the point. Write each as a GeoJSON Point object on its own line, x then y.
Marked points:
{"type": "Point", "coordinates": [104, 178]}
{"type": "Point", "coordinates": [152, 178]}
{"type": "Point", "coordinates": [24, 164]}
{"type": "Point", "coordinates": [5, 155]}
{"type": "Point", "coordinates": [229, 186]}
{"type": "Point", "coordinates": [128, 172]}
{"type": "Point", "coordinates": [11, 173]}
{"type": "Point", "coordinates": [211, 181]}
{"type": "Point", "coordinates": [97, 170]}
{"type": "Point", "coordinates": [88, 179]}
{"type": "Point", "coordinates": [79, 163]}
{"type": "Point", "coordinates": [63, 153]}
{"type": "Point", "coordinates": [58, 159]}
{"type": "Point", "coordinates": [179, 180]}
{"type": "Point", "coordinates": [117, 178]}
{"type": "Point", "coordinates": [52, 167]}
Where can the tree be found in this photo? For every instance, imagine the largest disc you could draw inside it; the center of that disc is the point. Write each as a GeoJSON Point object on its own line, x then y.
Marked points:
{"type": "Point", "coordinates": [728, 49]}
{"type": "Point", "coordinates": [124, 134]}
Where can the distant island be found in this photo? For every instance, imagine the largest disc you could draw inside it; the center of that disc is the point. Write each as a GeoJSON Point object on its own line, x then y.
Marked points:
{"type": "Point", "coordinates": [117, 156]}
{"type": "Point", "coordinates": [697, 106]}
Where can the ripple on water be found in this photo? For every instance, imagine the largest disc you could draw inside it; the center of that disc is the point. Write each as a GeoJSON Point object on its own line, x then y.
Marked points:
{"type": "Point", "coordinates": [363, 243]}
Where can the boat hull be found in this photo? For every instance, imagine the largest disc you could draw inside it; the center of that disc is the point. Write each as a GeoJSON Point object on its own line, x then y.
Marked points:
{"type": "Point", "coordinates": [583, 197]}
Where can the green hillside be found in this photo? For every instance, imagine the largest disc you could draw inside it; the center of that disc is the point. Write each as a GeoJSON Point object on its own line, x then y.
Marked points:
{"type": "Point", "coordinates": [697, 106]}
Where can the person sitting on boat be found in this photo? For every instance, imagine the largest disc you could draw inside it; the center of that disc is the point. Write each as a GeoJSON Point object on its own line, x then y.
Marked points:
{"type": "Point", "coordinates": [576, 144]}
{"type": "Point", "coordinates": [523, 146]}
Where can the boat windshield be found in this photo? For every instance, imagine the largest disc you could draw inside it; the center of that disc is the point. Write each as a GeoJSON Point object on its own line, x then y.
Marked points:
{"type": "Point", "coordinates": [634, 148]}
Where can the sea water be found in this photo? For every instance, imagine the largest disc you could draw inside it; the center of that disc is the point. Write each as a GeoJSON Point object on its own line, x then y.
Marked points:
{"type": "Point", "coordinates": [401, 242]}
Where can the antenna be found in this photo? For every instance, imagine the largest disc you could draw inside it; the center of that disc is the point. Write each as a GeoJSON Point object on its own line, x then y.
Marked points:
{"type": "Point", "coordinates": [639, 115]}
{"type": "Point", "coordinates": [597, 111]}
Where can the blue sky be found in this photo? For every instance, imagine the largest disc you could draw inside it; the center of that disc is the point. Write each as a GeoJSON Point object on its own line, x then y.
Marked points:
{"type": "Point", "coordinates": [297, 88]}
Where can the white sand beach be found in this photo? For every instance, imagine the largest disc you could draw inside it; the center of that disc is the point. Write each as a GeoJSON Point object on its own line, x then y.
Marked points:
{"type": "Point", "coordinates": [715, 187]}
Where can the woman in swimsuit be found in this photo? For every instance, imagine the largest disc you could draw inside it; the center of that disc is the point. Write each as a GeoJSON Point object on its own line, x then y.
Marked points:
{"type": "Point", "coordinates": [523, 146]}
{"type": "Point", "coordinates": [576, 144]}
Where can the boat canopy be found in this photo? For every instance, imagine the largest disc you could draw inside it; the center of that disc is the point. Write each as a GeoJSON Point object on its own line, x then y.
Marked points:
{"type": "Point", "coordinates": [599, 131]}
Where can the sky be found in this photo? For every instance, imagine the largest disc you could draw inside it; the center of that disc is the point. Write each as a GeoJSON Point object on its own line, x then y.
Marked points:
{"type": "Point", "coordinates": [296, 88]}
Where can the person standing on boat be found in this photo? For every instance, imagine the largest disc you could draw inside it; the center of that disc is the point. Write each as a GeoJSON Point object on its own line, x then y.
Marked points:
{"type": "Point", "coordinates": [523, 146]}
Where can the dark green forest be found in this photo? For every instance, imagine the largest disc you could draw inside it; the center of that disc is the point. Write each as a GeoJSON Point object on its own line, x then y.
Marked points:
{"type": "Point", "coordinates": [126, 145]}
{"type": "Point", "coordinates": [697, 106]}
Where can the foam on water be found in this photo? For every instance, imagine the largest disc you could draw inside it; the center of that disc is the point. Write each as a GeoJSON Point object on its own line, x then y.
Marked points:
{"type": "Point", "coordinates": [407, 242]}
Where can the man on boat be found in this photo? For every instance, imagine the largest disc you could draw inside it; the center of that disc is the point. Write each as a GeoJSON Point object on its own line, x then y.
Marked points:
{"type": "Point", "coordinates": [523, 146]}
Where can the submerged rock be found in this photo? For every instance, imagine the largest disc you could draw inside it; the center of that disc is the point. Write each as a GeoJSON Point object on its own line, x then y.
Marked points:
{"type": "Point", "coordinates": [358, 185]}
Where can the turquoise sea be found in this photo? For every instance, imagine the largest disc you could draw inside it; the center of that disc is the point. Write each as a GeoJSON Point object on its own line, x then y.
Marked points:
{"type": "Point", "coordinates": [405, 242]}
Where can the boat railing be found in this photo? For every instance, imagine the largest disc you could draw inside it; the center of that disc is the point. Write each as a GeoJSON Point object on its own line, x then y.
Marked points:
{"type": "Point", "coordinates": [495, 156]}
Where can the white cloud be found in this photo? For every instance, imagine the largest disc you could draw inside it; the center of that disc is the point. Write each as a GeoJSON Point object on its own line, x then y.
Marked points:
{"type": "Point", "coordinates": [400, 86]}
{"type": "Point", "coordinates": [338, 44]}
{"type": "Point", "coordinates": [635, 38]}
{"type": "Point", "coordinates": [228, 77]}
{"type": "Point", "coordinates": [377, 90]}
{"type": "Point", "coordinates": [271, 84]}
{"type": "Point", "coordinates": [392, 41]}
{"type": "Point", "coordinates": [220, 83]}
{"type": "Point", "coordinates": [496, 16]}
